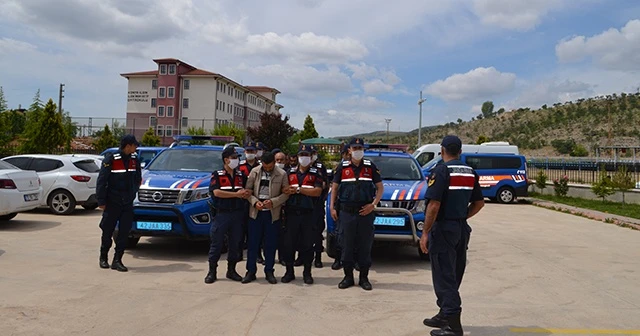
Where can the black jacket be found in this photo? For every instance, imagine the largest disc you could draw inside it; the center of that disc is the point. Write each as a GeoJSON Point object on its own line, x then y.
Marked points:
{"type": "Point", "coordinates": [119, 179]}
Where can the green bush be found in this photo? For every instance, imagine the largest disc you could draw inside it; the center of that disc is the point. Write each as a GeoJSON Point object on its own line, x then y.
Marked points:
{"type": "Point", "coordinates": [561, 186]}
{"type": "Point", "coordinates": [604, 186]}
{"type": "Point", "coordinates": [541, 180]}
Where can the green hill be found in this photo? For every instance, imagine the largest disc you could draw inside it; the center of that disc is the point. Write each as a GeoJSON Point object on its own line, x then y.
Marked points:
{"type": "Point", "coordinates": [573, 128]}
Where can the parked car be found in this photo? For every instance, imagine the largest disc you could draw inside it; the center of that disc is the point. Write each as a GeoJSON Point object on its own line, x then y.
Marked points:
{"type": "Point", "coordinates": [96, 158]}
{"type": "Point", "coordinates": [20, 190]}
{"type": "Point", "coordinates": [67, 181]}
{"type": "Point", "coordinates": [145, 154]}
{"type": "Point", "coordinates": [400, 214]}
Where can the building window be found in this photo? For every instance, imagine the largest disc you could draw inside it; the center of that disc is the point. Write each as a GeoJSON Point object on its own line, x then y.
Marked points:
{"type": "Point", "coordinates": [185, 122]}
{"type": "Point", "coordinates": [154, 84]}
{"type": "Point", "coordinates": [187, 84]}
{"type": "Point", "coordinates": [160, 111]}
{"type": "Point", "coordinates": [169, 130]}
{"type": "Point", "coordinates": [172, 69]}
{"type": "Point", "coordinates": [231, 91]}
{"type": "Point", "coordinates": [153, 102]}
{"type": "Point", "coordinates": [160, 130]}
{"type": "Point", "coordinates": [224, 106]}
{"type": "Point", "coordinates": [153, 121]}
{"type": "Point", "coordinates": [218, 86]}
{"type": "Point", "coordinates": [163, 69]}
{"type": "Point", "coordinates": [171, 92]}
{"type": "Point", "coordinates": [185, 103]}
{"type": "Point", "coordinates": [161, 92]}
{"type": "Point", "coordinates": [169, 111]}
{"type": "Point", "coordinates": [217, 104]}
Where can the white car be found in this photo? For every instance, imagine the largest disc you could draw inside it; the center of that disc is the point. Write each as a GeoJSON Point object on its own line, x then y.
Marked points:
{"type": "Point", "coordinates": [67, 181]}
{"type": "Point", "coordinates": [96, 158]}
{"type": "Point", "coordinates": [19, 191]}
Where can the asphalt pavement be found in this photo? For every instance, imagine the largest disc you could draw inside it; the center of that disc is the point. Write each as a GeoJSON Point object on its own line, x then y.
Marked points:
{"type": "Point", "coordinates": [531, 271]}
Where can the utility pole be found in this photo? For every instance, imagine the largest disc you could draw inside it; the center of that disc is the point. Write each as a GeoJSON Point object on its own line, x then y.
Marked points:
{"type": "Point", "coordinates": [420, 121]}
{"type": "Point", "coordinates": [60, 96]}
{"type": "Point", "coordinates": [388, 122]}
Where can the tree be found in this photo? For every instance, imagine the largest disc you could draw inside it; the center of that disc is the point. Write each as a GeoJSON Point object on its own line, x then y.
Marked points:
{"type": "Point", "coordinates": [541, 180]}
{"type": "Point", "coordinates": [460, 121]}
{"type": "Point", "coordinates": [623, 181]}
{"type": "Point", "coordinates": [51, 133]}
{"type": "Point", "coordinates": [192, 130]}
{"type": "Point", "coordinates": [487, 109]}
{"type": "Point", "coordinates": [230, 129]}
{"type": "Point", "coordinates": [604, 186]}
{"type": "Point", "coordinates": [500, 111]}
{"type": "Point", "coordinates": [150, 139]}
{"type": "Point", "coordinates": [3, 101]}
{"type": "Point", "coordinates": [309, 129]}
{"type": "Point", "coordinates": [118, 130]}
{"type": "Point", "coordinates": [32, 125]}
{"type": "Point", "coordinates": [482, 139]}
{"type": "Point", "coordinates": [105, 140]}
{"type": "Point", "coordinates": [292, 144]}
{"type": "Point", "coordinates": [274, 130]}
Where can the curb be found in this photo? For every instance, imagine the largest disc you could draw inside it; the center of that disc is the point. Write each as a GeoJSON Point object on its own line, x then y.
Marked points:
{"type": "Point", "coordinates": [586, 213]}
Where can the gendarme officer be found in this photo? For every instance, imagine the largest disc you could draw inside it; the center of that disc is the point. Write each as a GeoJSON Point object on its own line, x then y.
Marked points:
{"type": "Point", "coordinates": [453, 196]}
{"type": "Point", "coordinates": [229, 196]}
{"type": "Point", "coordinates": [118, 182]}
{"type": "Point", "coordinates": [358, 186]}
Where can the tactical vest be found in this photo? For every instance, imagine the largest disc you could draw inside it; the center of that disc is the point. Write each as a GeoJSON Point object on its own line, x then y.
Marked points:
{"type": "Point", "coordinates": [121, 183]}
{"type": "Point", "coordinates": [226, 183]}
{"type": "Point", "coordinates": [356, 190]}
{"type": "Point", "coordinates": [461, 180]}
{"type": "Point", "coordinates": [246, 168]}
{"type": "Point", "coordinates": [309, 181]}
{"type": "Point", "coordinates": [118, 166]}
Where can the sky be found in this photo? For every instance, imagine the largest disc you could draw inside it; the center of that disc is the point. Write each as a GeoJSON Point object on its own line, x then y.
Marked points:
{"type": "Point", "coordinates": [349, 64]}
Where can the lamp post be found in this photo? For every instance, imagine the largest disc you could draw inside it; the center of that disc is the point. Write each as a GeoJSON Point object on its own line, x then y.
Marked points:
{"type": "Point", "coordinates": [388, 121]}
{"type": "Point", "coordinates": [422, 100]}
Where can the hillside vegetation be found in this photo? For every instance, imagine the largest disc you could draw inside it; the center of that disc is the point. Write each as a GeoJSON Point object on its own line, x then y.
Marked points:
{"type": "Point", "coordinates": [565, 129]}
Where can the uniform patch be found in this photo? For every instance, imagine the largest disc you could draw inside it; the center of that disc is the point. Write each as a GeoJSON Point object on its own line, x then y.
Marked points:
{"type": "Point", "coordinates": [431, 181]}
{"type": "Point", "coordinates": [105, 164]}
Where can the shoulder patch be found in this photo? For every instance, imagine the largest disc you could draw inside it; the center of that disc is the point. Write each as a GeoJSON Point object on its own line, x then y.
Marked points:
{"type": "Point", "coordinates": [222, 172]}
{"type": "Point", "coordinates": [432, 180]}
{"type": "Point", "coordinates": [292, 170]}
{"type": "Point", "coordinates": [313, 170]}
{"type": "Point", "coordinates": [134, 155]}
{"type": "Point", "coordinates": [243, 162]}
{"type": "Point", "coordinates": [366, 162]}
{"type": "Point", "coordinates": [346, 163]}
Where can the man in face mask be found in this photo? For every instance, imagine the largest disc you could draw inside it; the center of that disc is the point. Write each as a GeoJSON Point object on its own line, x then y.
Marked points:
{"type": "Point", "coordinates": [281, 160]}
{"type": "Point", "coordinates": [250, 150]}
{"type": "Point", "coordinates": [229, 197]}
{"type": "Point", "coordinates": [358, 186]}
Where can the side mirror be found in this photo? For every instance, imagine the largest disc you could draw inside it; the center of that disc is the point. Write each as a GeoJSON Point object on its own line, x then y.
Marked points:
{"type": "Point", "coordinates": [143, 164]}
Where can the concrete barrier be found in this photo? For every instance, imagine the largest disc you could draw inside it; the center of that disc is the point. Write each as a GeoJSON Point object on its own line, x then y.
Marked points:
{"type": "Point", "coordinates": [584, 191]}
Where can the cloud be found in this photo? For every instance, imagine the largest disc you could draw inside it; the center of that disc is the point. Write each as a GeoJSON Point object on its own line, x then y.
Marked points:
{"type": "Point", "coordinates": [520, 15]}
{"type": "Point", "coordinates": [479, 83]}
{"type": "Point", "coordinates": [551, 91]}
{"type": "Point", "coordinates": [612, 49]}
{"type": "Point", "coordinates": [376, 87]}
{"type": "Point", "coordinates": [363, 103]}
{"type": "Point", "coordinates": [10, 46]}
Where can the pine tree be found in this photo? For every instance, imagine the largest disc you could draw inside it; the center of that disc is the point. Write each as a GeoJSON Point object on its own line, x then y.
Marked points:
{"type": "Point", "coordinates": [3, 101]}
{"type": "Point", "coordinates": [105, 140]}
{"type": "Point", "coordinates": [149, 138]}
{"type": "Point", "coordinates": [32, 125]}
{"type": "Point", "coordinates": [49, 133]}
{"type": "Point", "coordinates": [309, 129]}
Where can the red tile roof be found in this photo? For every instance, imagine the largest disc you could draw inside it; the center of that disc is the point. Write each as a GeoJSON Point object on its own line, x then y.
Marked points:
{"type": "Point", "coordinates": [200, 72]}
{"type": "Point", "coordinates": [262, 89]}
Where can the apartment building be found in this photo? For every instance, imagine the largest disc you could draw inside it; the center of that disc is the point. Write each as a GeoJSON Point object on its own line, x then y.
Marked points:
{"type": "Point", "coordinates": [176, 96]}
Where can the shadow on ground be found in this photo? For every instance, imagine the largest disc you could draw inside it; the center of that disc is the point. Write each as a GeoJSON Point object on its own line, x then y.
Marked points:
{"type": "Point", "coordinates": [79, 211]}
{"type": "Point", "coordinates": [500, 331]}
{"type": "Point", "coordinates": [17, 225]}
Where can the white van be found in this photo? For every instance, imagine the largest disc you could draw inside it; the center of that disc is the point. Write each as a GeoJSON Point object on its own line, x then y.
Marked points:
{"type": "Point", "coordinates": [431, 152]}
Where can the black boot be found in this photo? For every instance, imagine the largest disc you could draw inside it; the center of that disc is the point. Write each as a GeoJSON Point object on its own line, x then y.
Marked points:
{"type": "Point", "coordinates": [212, 275]}
{"type": "Point", "coordinates": [364, 280]}
{"type": "Point", "coordinates": [104, 258]}
{"type": "Point", "coordinates": [318, 261]}
{"type": "Point", "coordinates": [270, 278]}
{"type": "Point", "coordinates": [347, 281]}
{"type": "Point", "coordinates": [357, 267]}
{"type": "Point", "coordinates": [231, 272]}
{"type": "Point", "coordinates": [289, 275]}
{"type": "Point", "coordinates": [117, 263]}
{"type": "Point", "coordinates": [438, 321]}
{"type": "Point", "coordinates": [453, 329]}
{"type": "Point", "coordinates": [249, 277]}
{"type": "Point", "coordinates": [337, 264]}
{"type": "Point", "coordinates": [306, 274]}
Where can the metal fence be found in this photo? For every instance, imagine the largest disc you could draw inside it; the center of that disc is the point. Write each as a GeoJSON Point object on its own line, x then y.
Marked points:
{"type": "Point", "coordinates": [580, 170]}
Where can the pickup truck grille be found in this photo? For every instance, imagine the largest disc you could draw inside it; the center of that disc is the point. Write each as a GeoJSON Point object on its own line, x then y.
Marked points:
{"type": "Point", "coordinates": [158, 196]}
{"type": "Point", "coordinates": [409, 205]}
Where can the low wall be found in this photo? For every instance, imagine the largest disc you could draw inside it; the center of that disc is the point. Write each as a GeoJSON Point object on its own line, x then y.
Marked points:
{"type": "Point", "coordinates": [584, 191]}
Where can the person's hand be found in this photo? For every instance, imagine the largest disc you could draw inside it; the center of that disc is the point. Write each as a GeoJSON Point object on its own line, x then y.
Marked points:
{"type": "Point", "coordinates": [102, 207]}
{"type": "Point", "coordinates": [367, 209]}
{"type": "Point", "coordinates": [423, 243]}
{"type": "Point", "coordinates": [267, 204]}
{"type": "Point", "coordinates": [334, 214]}
{"type": "Point", "coordinates": [259, 205]}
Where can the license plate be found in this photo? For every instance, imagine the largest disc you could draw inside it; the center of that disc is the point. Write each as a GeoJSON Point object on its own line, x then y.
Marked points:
{"type": "Point", "coordinates": [389, 221]}
{"type": "Point", "coordinates": [156, 226]}
{"type": "Point", "coordinates": [30, 197]}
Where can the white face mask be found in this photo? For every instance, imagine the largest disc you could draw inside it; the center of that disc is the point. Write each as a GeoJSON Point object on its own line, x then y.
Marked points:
{"type": "Point", "coordinates": [357, 155]}
{"type": "Point", "coordinates": [314, 158]}
{"type": "Point", "coordinates": [280, 165]}
{"type": "Point", "coordinates": [233, 163]}
{"type": "Point", "coordinates": [259, 154]}
{"type": "Point", "coordinates": [251, 157]}
{"type": "Point", "coordinates": [304, 160]}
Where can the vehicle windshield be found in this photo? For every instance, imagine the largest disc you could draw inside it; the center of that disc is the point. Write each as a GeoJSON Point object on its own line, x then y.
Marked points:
{"type": "Point", "coordinates": [6, 165]}
{"type": "Point", "coordinates": [197, 160]}
{"type": "Point", "coordinates": [397, 168]}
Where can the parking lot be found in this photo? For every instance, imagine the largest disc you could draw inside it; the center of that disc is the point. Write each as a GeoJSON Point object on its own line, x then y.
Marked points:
{"type": "Point", "coordinates": [531, 271]}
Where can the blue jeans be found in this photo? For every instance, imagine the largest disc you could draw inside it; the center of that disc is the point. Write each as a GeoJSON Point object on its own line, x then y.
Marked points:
{"type": "Point", "coordinates": [261, 227]}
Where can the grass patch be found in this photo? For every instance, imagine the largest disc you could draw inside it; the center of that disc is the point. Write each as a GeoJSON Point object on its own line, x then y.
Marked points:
{"type": "Point", "coordinates": [615, 208]}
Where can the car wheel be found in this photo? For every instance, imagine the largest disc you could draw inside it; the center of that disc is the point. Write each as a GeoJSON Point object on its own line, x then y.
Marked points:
{"type": "Point", "coordinates": [423, 256]}
{"type": "Point", "coordinates": [8, 217]}
{"type": "Point", "coordinates": [61, 202]}
{"type": "Point", "coordinates": [90, 206]}
{"type": "Point", "coordinates": [332, 246]}
{"type": "Point", "coordinates": [506, 195]}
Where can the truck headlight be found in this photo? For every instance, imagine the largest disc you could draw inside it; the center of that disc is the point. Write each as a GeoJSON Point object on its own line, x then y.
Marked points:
{"type": "Point", "coordinates": [198, 194]}
{"type": "Point", "coordinates": [420, 207]}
